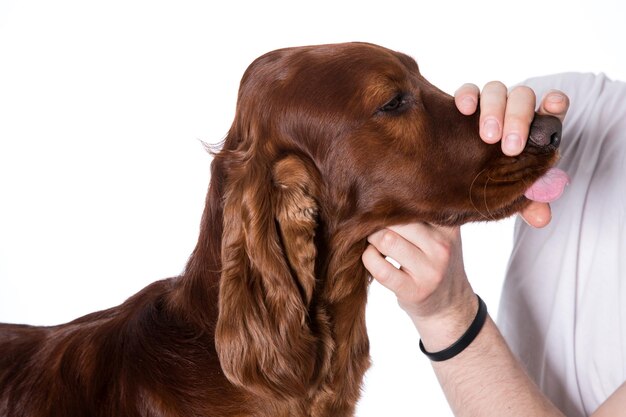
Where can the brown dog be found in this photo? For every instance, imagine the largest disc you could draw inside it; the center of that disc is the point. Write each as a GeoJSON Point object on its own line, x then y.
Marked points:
{"type": "Point", "coordinates": [329, 144]}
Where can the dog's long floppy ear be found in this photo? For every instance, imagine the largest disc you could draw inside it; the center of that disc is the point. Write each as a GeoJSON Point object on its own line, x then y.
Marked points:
{"type": "Point", "coordinates": [263, 335]}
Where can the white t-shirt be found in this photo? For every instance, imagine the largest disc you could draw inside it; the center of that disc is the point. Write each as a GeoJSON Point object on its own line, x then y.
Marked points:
{"type": "Point", "coordinates": [563, 306]}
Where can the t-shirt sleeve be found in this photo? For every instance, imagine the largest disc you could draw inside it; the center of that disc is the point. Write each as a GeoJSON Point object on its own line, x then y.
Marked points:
{"type": "Point", "coordinates": [562, 309]}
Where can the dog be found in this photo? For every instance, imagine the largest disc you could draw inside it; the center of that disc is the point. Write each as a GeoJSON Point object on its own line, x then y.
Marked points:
{"type": "Point", "coordinates": [329, 144]}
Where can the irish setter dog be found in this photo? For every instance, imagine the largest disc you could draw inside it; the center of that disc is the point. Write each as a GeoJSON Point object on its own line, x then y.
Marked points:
{"type": "Point", "coordinates": [329, 144]}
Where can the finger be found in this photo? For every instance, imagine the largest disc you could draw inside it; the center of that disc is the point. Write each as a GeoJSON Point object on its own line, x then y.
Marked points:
{"type": "Point", "coordinates": [537, 214]}
{"type": "Point", "coordinates": [519, 114]}
{"type": "Point", "coordinates": [466, 98]}
{"type": "Point", "coordinates": [429, 250]}
{"type": "Point", "coordinates": [426, 237]}
{"type": "Point", "coordinates": [395, 245]}
{"type": "Point", "coordinates": [383, 272]}
{"type": "Point", "coordinates": [492, 107]}
{"type": "Point", "coordinates": [554, 103]}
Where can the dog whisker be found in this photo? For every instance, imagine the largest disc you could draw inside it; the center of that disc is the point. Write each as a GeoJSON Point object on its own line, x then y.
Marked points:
{"type": "Point", "coordinates": [472, 200]}
{"type": "Point", "coordinates": [491, 216]}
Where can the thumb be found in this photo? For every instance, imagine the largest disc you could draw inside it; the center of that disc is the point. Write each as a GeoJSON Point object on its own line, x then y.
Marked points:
{"type": "Point", "coordinates": [537, 214]}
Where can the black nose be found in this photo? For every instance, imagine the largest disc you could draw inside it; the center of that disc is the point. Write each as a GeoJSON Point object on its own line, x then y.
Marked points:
{"type": "Point", "coordinates": [545, 131]}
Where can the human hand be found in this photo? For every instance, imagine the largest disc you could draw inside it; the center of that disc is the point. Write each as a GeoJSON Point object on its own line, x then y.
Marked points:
{"type": "Point", "coordinates": [507, 116]}
{"type": "Point", "coordinates": [431, 285]}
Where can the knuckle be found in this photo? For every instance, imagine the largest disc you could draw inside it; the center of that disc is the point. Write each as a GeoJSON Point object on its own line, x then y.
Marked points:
{"type": "Point", "coordinates": [467, 89]}
{"type": "Point", "coordinates": [523, 91]}
{"type": "Point", "coordinates": [494, 85]}
{"type": "Point", "coordinates": [368, 257]}
{"type": "Point", "coordinates": [555, 100]}
{"type": "Point", "coordinates": [384, 275]}
{"type": "Point", "coordinates": [518, 123]}
{"type": "Point", "coordinates": [442, 250]}
{"type": "Point", "coordinates": [388, 241]}
{"type": "Point", "coordinates": [375, 265]}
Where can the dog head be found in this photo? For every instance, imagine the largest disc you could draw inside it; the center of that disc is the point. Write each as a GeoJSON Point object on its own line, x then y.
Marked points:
{"type": "Point", "coordinates": [329, 138]}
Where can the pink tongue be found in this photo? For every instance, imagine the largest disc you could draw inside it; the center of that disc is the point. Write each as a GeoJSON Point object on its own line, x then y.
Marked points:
{"type": "Point", "coordinates": [549, 187]}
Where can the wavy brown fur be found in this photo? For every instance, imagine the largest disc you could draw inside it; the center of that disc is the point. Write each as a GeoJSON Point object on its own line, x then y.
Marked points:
{"type": "Point", "coordinates": [329, 144]}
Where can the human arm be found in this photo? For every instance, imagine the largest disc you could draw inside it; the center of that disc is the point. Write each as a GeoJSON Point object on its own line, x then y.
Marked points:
{"type": "Point", "coordinates": [483, 380]}
{"type": "Point", "coordinates": [614, 406]}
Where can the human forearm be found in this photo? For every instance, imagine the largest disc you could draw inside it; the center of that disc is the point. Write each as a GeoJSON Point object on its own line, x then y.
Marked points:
{"type": "Point", "coordinates": [485, 379]}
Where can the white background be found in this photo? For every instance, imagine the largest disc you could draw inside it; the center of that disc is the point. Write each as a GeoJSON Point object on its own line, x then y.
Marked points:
{"type": "Point", "coordinates": [103, 106]}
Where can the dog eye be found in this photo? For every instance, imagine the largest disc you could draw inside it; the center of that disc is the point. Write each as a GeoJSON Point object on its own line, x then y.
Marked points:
{"type": "Point", "coordinates": [395, 104]}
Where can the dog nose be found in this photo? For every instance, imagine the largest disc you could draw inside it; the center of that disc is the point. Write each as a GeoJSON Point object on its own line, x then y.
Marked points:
{"type": "Point", "coordinates": [545, 131]}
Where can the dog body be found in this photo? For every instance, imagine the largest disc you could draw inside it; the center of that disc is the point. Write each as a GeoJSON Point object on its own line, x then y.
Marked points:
{"type": "Point", "coordinates": [329, 144]}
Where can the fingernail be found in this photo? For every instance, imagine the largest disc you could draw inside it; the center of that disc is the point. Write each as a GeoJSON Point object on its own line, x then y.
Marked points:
{"type": "Point", "coordinates": [555, 98]}
{"type": "Point", "coordinates": [491, 128]}
{"type": "Point", "coordinates": [512, 144]}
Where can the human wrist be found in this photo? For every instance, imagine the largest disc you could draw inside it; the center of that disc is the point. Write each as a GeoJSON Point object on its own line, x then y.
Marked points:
{"type": "Point", "coordinates": [440, 331]}
{"type": "Point", "coordinates": [464, 341]}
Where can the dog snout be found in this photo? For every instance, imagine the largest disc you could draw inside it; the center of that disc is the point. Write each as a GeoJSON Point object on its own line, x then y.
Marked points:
{"type": "Point", "coordinates": [545, 132]}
